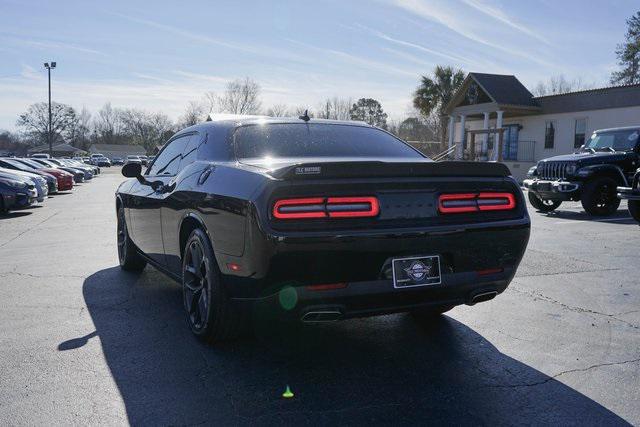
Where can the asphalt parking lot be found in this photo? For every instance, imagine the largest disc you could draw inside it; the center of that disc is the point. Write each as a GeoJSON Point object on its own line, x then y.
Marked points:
{"type": "Point", "coordinates": [82, 342]}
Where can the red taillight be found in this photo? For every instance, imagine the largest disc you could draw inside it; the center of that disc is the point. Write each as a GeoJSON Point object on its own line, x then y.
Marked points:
{"type": "Point", "coordinates": [326, 287]}
{"type": "Point", "coordinates": [329, 207]}
{"type": "Point", "coordinates": [489, 271]}
{"type": "Point", "coordinates": [496, 201]}
{"type": "Point", "coordinates": [475, 202]}
{"type": "Point", "coordinates": [299, 208]}
{"type": "Point", "coordinates": [233, 266]}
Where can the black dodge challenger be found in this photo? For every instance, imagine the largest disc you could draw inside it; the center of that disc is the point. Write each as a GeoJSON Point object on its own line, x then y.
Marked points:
{"type": "Point", "coordinates": [317, 220]}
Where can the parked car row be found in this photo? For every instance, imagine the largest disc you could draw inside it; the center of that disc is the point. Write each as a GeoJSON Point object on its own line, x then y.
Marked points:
{"type": "Point", "coordinates": [27, 181]}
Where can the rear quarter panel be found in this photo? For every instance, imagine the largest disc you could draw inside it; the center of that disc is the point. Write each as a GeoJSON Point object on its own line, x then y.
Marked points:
{"type": "Point", "coordinates": [221, 204]}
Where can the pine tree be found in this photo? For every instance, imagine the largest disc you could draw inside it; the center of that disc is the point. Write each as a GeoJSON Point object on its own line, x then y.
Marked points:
{"type": "Point", "coordinates": [628, 54]}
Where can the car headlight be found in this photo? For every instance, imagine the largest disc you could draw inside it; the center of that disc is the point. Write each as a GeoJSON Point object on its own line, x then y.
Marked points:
{"type": "Point", "coordinates": [18, 185]}
{"type": "Point", "coordinates": [571, 169]}
{"type": "Point", "coordinates": [532, 171]}
{"type": "Point", "coordinates": [539, 168]}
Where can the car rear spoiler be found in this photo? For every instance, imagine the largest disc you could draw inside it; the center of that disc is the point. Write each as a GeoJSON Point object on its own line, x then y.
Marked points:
{"type": "Point", "coordinates": [357, 169]}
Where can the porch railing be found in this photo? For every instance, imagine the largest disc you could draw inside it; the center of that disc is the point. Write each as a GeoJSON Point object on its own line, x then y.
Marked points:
{"type": "Point", "coordinates": [523, 151]}
{"type": "Point", "coordinates": [526, 151]}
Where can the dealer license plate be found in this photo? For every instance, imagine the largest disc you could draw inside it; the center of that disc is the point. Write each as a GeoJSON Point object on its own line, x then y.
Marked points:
{"type": "Point", "coordinates": [416, 271]}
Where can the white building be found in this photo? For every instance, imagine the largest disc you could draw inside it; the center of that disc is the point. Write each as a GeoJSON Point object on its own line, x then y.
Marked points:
{"type": "Point", "coordinates": [535, 127]}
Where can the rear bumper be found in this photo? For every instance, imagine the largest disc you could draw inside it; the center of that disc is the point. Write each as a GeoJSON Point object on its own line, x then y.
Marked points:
{"type": "Point", "coordinates": [272, 263]}
{"type": "Point", "coordinates": [554, 190]}
{"type": "Point", "coordinates": [361, 299]}
{"type": "Point", "coordinates": [628, 193]}
{"type": "Point", "coordinates": [65, 183]}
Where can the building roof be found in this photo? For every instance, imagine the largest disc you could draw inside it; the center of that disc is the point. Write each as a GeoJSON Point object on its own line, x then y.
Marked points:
{"type": "Point", "coordinates": [117, 148]}
{"type": "Point", "coordinates": [507, 93]}
{"type": "Point", "coordinates": [58, 148]}
{"type": "Point", "coordinates": [504, 89]}
{"type": "Point", "coordinates": [591, 99]}
{"type": "Point", "coordinates": [496, 90]}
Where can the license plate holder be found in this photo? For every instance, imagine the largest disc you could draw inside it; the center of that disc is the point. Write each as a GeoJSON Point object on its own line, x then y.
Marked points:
{"type": "Point", "coordinates": [416, 271]}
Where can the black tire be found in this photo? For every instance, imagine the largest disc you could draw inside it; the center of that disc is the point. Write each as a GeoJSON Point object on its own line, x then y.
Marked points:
{"type": "Point", "coordinates": [543, 205]}
{"type": "Point", "coordinates": [211, 315]}
{"type": "Point", "coordinates": [599, 197]}
{"type": "Point", "coordinates": [426, 315]}
{"type": "Point", "coordinates": [634, 209]}
{"type": "Point", "coordinates": [128, 256]}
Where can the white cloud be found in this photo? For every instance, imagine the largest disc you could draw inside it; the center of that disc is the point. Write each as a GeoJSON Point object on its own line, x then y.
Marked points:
{"type": "Point", "coordinates": [388, 38]}
{"type": "Point", "coordinates": [499, 15]}
{"type": "Point", "coordinates": [451, 17]}
{"type": "Point", "coordinates": [252, 48]}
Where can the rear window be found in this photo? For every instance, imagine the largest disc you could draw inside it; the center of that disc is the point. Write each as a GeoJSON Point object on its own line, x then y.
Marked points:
{"type": "Point", "coordinates": [317, 140]}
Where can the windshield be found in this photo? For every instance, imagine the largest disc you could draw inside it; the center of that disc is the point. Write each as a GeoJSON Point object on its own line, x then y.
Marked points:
{"type": "Point", "coordinates": [31, 163]}
{"type": "Point", "coordinates": [620, 140]}
{"type": "Point", "coordinates": [318, 140]}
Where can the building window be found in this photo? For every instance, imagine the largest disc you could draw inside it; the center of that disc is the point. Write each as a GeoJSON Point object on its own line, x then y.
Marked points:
{"type": "Point", "coordinates": [549, 134]}
{"type": "Point", "coordinates": [580, 131]}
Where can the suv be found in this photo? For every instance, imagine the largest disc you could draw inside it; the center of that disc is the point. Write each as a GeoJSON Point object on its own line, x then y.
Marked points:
{"type": "Point", "coordinates": [607, 160]}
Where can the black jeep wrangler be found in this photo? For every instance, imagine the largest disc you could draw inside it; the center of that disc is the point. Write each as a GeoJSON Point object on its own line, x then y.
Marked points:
{"type": "Point", "coordinates": [609, 159]}
{"type": "Point", "coordinates": [632, 194]}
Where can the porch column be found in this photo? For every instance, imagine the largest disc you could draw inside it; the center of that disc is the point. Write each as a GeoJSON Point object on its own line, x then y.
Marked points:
{"type": "Point", "coordinates": [452, 129]}
{"type": "Point", "coordinates": [485, 137]}
{"type": "Point", "coordinates": [495, 143]}
{"type": "Point", "coordinates": [460, 150]}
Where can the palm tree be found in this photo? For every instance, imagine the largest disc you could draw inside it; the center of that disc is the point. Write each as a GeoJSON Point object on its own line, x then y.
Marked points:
{"type": "Point", "coordinates": [434, 93]}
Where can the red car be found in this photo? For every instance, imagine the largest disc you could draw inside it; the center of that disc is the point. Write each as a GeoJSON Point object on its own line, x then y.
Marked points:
{"type": "Point", "coordinates": [65, 179]}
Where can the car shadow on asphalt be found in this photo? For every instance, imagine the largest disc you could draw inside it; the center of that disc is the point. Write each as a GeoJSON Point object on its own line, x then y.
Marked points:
{"type": "Point", "coordinates": [620, 217]}
{"type": "Point", "coordinates": [14, 214]}
{"type": "Point", "coordinates": [384, 370]}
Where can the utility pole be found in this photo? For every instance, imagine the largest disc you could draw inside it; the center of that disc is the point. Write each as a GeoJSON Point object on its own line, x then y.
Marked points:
{"type": "Point", "coordinates": [49, 67]}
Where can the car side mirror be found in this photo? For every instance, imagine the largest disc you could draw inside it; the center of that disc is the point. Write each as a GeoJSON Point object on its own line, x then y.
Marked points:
{"type": "Point", "coordinates": [132, 170]}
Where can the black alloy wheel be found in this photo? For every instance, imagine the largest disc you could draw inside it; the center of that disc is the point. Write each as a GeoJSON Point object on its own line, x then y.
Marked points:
{"type": "Point", "coordinates": [599, 197]}
{"type": "Point", "coordinates": [196, 288]}
{"type": "Point", "coordinates": [128, 256]}
{"type": "Point", "coordinates": [212, 316]}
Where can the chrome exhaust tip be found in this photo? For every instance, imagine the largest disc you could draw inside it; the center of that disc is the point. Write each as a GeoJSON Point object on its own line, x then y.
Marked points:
{"type": "Point", "coordinates": [482, 297]}
{"type": "Point", "coordinates": [318, 316]}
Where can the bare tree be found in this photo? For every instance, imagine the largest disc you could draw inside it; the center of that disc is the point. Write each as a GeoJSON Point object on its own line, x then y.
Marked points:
{"type": "Point", "coordinates": [108, 125]}
{"type": "Point", "coordinates": [557, 85]}
{"type": "Point", "coordinates": [35, 121]}
{"type": "Point", "coordinates": [146, 129]}
{"type": "Point", "coordinates": [241, 97]}
{"type": "Point", "coordinates": [80, 130]}
{"type": "Point", "coordinates": [195, 113]}
{"type": "Point", "coordinates": [278, 110]}
{"type": "Point", "coordinates": [12, 143]}
{"type": "Point", "coordinates": [335, 109]}
{"type": "Point", "coordinates": [211, 100]}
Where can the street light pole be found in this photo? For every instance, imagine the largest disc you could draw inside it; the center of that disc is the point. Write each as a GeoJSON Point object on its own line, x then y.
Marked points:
{"type": "Point", "coordinates": [49, 67]}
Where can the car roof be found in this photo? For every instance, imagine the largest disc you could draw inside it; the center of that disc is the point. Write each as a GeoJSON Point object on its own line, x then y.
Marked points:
{"type": "Point", "coordinates": [616, 129]}
{"type": "Point", "coordinates": [235, 120]}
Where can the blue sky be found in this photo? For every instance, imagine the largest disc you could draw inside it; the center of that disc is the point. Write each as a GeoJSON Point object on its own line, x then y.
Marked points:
{"type": "Point", "coordinates": [159, 55]}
